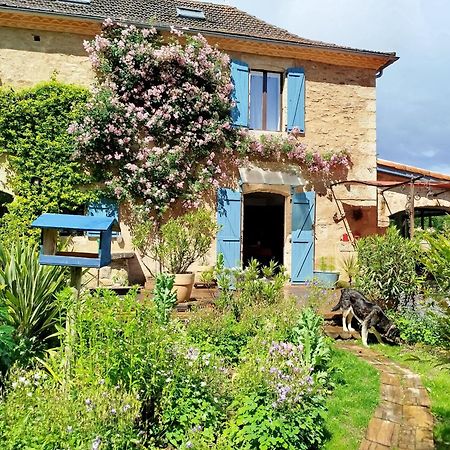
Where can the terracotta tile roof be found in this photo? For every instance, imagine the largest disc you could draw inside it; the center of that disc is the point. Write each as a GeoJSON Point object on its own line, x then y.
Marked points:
{"type": "Point", "coordinates": [382, 163]}
{"type": "Point", "coordinates": [218, 18]}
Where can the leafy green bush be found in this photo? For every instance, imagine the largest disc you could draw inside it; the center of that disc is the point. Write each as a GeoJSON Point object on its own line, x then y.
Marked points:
{"type": "Point", "coordinates": [254, 285]}
{"type": "Point", "coordinates": [417, 328]}
{"type": "Point", "coordinates": [178, 242]}
{"type": "Point", "coordinates": [308, 333]}
{"type": "Point", "coordinates": [387, 268]}
{"type": "Point", "coordinates": [34, 137]}
{"type": "Point", "coordinates": [28, 293]}
{"type": "Point", "coordinates": [164, 296]}
{"type": "Point", "coordinates": [7, 343]}
{"type": "Point", "coordinates": [436, 259]}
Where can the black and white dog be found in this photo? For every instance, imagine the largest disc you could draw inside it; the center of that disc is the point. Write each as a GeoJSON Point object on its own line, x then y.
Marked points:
{"type": "Point", "coordinates": [369, 315]}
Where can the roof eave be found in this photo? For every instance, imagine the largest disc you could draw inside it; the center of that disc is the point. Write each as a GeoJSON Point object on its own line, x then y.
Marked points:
{"type": "Point", "coordinates": [390, 57]}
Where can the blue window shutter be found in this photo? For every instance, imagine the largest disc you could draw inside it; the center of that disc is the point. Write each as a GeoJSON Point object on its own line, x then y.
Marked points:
{"type": "Point", "coordinates": [229, 221]}
{"type": "Point", "coordinates": [239, 77]}
{"type": "Point", "coordinates": [303, 213]}
{"type": "Point", "coordinates": [296, 99]}
{"type": "Point", "coordinates": [104, 207]}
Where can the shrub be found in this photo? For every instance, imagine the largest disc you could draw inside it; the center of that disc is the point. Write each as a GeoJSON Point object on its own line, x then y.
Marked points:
{"type": "Point", "coordinates": [387, 268]}
{"type": "Point", "coordinates": [179, 242]}
{"type": "Point", "coordinates": [136, 381]}
{"type": "Point", "coordinates": [34, 137]}
{"type": "Point", "coordinates": [7, 343]}
{"type": "Point", "coordinates": [28, 292]}
{"type": "Point", "coordinates": [308, 333]}
{"type": "Point", "coordinates": [279, 401]}
{"type": "Point", "coordinates": [427, 323]}
{"type": "Point", "coordinates": [436, 259]}
{"type": "Point", "coordinates": [254, 285]}
{"type": "Point", "coordinates": [164, 297]}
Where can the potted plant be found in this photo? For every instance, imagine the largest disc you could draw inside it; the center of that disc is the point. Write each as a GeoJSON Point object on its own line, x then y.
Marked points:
{"type": "Point", "coordinates": [177, 244]}
{"type": "Point", "coordinates": [327, 276]}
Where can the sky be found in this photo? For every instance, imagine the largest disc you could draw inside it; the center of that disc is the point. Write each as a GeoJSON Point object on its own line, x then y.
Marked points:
{"type": "Point", "coordinates": [413, 95]}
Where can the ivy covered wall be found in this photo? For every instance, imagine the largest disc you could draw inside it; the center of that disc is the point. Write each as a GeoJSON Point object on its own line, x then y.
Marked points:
{"type": "Point", "coordinates": [38, 149]}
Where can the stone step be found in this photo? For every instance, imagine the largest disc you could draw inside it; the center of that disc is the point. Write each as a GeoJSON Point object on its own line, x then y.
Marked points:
{"type": "Point", "coordinates": [330, 316]}
{"type": "Point", "coordinates": [336, 332]}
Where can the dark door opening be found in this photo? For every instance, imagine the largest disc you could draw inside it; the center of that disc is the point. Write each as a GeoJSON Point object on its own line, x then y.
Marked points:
{"type": "Point", "coordinates": [263, 228]}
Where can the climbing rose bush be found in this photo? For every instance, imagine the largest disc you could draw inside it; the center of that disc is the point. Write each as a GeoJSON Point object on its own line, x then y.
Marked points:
{"type": "Point", "coordinates": [290, 149]}
{"type": "Point", "coordinates": [158, 128]}
{"type": "Point", "coordinates": [158, 125]}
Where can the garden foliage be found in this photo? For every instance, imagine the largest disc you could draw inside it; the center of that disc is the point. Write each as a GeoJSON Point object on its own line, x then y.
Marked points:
{"type": "Point", "coordinates": [137, 381]}
{"type": "Point", "coordinates": [34, 137]}
{"type": "Point", "coordinates": [388, 268]}
{"type": "Point", "coordinates": [178, 242]}
{"type": "Point", "coordinates": [28, 296]}
{"type": "Point", "coordinates": [436, 259]}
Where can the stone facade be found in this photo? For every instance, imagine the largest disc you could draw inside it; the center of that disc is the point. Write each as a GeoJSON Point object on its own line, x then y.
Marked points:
{"type": "Point", "coordinates": [340, 111]}
{"type": "Point", "coordinates": [30, 56]}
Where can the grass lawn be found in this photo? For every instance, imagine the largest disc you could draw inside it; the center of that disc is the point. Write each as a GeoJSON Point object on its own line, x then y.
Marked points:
{"type": "Point", "coordinates": [353, 401]}
{"type": "Point", "coordinates": [436, 380]}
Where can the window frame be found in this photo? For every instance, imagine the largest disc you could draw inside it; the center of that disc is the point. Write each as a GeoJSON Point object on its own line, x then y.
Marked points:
{"type": "Point", "coordinates": [265, 74]}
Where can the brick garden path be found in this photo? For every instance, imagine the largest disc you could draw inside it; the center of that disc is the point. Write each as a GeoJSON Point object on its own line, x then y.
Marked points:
{"type": "Point", "coordinates": [403, 419]}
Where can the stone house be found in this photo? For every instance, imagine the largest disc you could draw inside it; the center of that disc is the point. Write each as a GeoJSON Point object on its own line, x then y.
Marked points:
{"type": "Point", "coordinates": [282, 81]}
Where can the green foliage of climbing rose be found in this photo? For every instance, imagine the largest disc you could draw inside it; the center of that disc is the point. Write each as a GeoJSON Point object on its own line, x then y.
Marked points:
{"type": "Point", "coordinates": [28, 292]}
{"type": "Point", "coordinates": [158, 126]}
{"type": "Point", "coordinates": [387, 268]}
{"type": "Point", "coordinates": [38, 147]}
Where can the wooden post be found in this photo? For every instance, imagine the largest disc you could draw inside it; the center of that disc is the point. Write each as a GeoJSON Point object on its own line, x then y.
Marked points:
{"type": "Point", "coordinates": [75, 283]}
{"type": "Point", "coordinates": [411, 210]}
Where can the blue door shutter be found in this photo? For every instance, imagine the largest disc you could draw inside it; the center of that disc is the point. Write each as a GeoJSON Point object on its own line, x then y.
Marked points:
{"type": "Point", "coordinates": [296, 99]}
{"type": "Point", "coordinates": [104, 207]}
{"type": "Point", "coordinates": [239, 77]}
{"type": "Point", "coordinates": [303, 212]}
{"type": "Point", "coordinates": [229, 221]}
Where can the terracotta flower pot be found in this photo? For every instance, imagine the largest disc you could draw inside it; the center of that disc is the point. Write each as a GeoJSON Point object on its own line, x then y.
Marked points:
{"type": "Point", "coordinates": [183, 286]}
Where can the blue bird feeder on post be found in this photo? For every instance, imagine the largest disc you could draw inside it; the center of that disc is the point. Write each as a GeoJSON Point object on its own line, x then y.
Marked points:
{"type": "Point", "coordinates": [51, 224]}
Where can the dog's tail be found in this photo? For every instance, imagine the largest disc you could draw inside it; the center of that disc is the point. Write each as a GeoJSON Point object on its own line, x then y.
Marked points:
{"type": "Point", "coordinates": [339, 304]}
{"type": "Point", "coordinates": [335, 308]}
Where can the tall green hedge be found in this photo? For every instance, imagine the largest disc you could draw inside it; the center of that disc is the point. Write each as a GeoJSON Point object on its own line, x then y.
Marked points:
{"type": "Point", "coordinates": [38, 148]}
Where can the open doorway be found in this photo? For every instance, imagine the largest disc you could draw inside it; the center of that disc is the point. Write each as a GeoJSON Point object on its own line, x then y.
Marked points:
{"type": "Point", "coordinates": [263, 228]}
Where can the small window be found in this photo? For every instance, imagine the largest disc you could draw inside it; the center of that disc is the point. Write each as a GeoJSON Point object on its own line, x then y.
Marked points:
{"type": "Point", "coordinates": [104, 207]}
{"type": "Point", "coordinates": [265, 100]}
{"type": "Point", "coordinates": [191, 13]}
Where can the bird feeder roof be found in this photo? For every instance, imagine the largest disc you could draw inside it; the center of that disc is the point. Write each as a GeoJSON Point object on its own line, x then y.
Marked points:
{"type": "Point", "coordinates": [75, 222]}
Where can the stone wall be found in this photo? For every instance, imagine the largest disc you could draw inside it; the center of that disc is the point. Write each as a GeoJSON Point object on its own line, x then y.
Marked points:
{"type": "Point", "coordinates": [340, 114]}
{"type": "Point", "coordinates": [30, 56]}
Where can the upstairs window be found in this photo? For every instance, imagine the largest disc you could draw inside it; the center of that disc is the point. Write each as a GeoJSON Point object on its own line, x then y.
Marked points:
{"type": "Point", "coordinates": [265, 100]}
{"type": "Point", "coordinates": [257, 98]}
